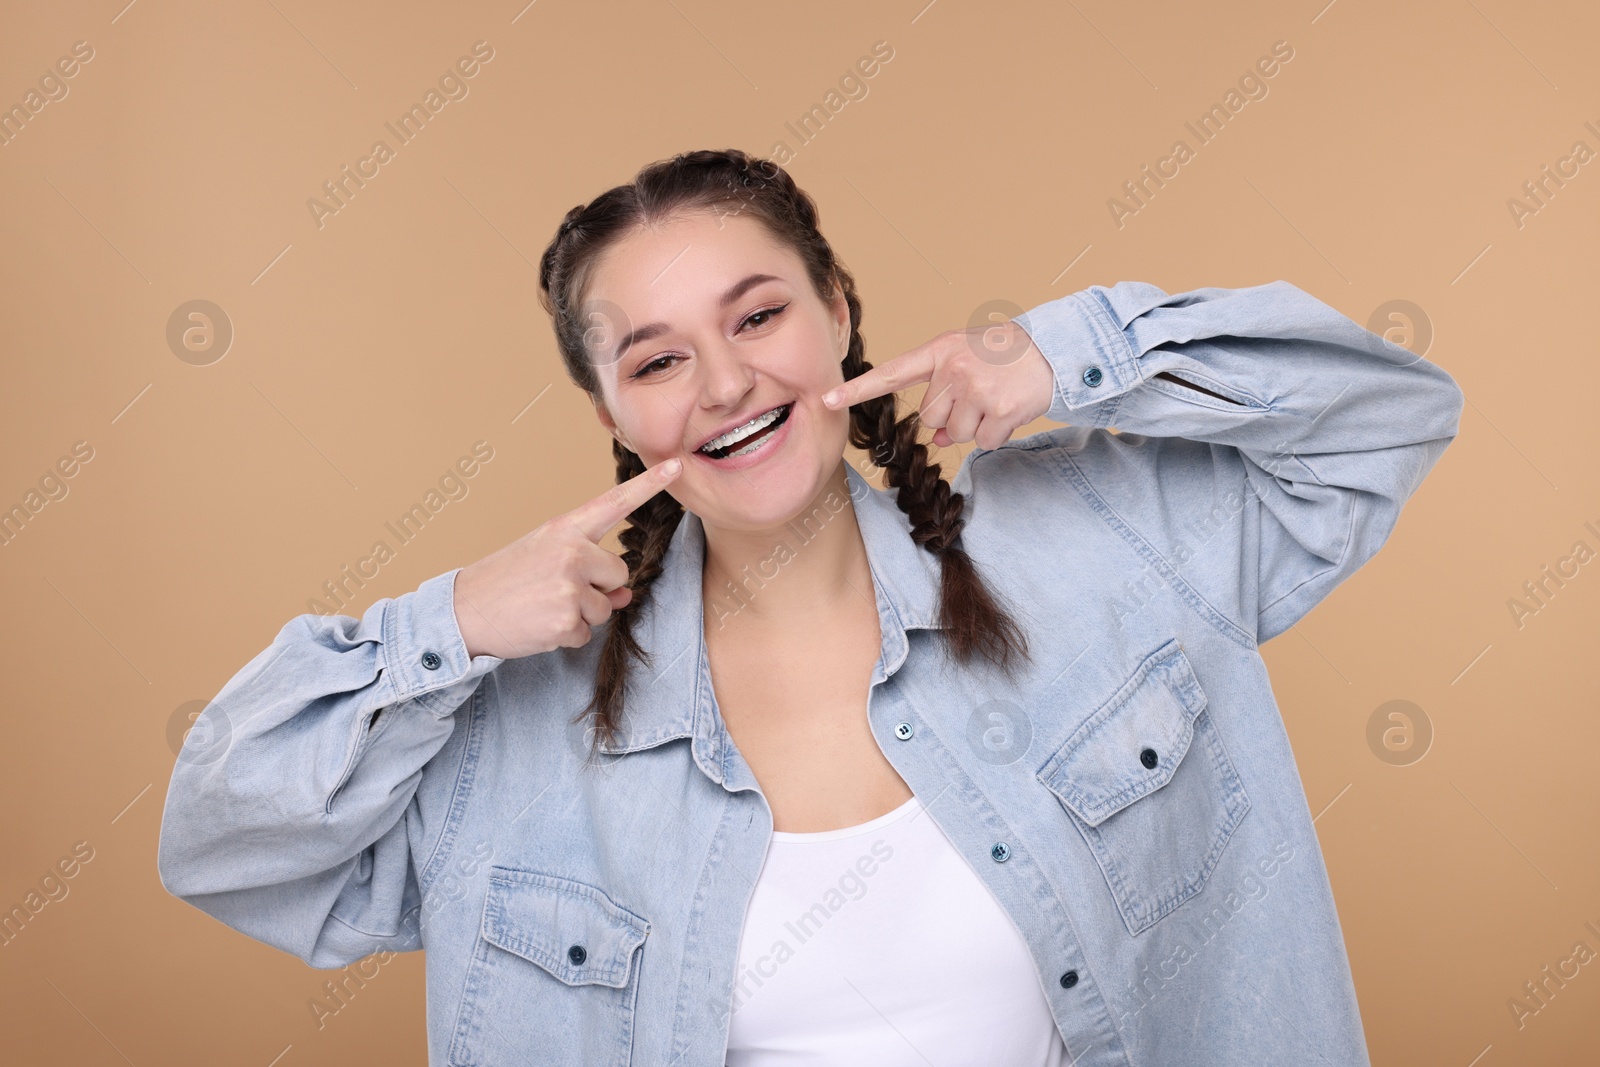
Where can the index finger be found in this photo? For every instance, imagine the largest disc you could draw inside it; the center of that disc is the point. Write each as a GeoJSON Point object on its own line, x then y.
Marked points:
{"type": "Point", "coordinates": [597, 516]}
{"type": "Point", "coordinates": [898, 373]}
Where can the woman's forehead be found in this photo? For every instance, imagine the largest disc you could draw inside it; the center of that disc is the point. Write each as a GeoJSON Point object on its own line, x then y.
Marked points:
{"type": "Point", "coordinates": [685, 256]}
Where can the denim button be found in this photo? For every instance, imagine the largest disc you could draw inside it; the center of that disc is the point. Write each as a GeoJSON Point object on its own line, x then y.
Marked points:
{"type": "Point", "coordinates": [577, 955]}
{"type": "Point", "coordinates": [1069, 979]}
{"type": "Point", "coordinates": [1149, 758]}
{"type": "Point", "coordinates": [904, 731]}
{"type": "Point", "coordinates": [1092, 377]}
{"type": "Point", "coordinates": [431, 660]}
{"type": "Point", "coordinates": [1001, 852]}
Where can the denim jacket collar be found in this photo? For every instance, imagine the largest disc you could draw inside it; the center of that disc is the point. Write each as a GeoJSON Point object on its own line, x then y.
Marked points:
{"type": "Point", "coordinates": [672, 698]}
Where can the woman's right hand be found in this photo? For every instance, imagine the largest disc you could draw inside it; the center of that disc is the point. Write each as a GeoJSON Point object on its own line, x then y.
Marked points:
{"type": "Point", "coordinates": [550, 587]}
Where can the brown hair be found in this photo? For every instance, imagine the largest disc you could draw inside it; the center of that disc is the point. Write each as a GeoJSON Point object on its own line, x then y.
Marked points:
{"type": "Point", "coordinates": [972, 621]}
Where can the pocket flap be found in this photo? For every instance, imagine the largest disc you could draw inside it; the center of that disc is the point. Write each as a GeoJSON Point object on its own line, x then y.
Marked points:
{"type": "Point", "coordinates": [571, 929]}
{"type": "Point", "coordinates": [1100, 769]}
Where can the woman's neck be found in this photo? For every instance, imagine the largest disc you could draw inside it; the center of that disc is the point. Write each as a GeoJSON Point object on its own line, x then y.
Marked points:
{"type": "Point", "coordinates": [808, 566]}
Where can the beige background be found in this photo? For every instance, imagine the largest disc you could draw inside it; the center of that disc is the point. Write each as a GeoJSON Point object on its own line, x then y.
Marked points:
{"type": "Point", "coordinates": [371, 352]}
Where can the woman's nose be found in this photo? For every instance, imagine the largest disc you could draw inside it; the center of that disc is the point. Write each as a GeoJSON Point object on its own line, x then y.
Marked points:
{"type": "Point", "coordinates": [725, 376]}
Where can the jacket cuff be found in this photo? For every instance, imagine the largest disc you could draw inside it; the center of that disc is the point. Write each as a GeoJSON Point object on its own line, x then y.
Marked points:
{"type": "Point", "coordinates": [1094, 363]}
{"type": "Point", "coordinates": [424, 652]}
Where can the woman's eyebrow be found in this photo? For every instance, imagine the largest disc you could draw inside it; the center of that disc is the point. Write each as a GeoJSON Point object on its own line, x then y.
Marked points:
{"type": "Point", "coordinates": [655, 329]}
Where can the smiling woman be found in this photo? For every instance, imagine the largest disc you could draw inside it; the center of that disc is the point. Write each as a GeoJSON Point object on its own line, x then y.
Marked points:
{"type": "Point", "coordinates": [668, 791]}
{"type": "Point", "coordinates": [782, 328]}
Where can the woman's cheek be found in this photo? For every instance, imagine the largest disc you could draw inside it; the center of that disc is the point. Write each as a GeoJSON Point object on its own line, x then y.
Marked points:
{"type": "Point", "coordinates": [664, 432]}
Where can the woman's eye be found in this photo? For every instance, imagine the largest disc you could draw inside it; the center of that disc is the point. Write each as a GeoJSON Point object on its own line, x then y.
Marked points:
{"type": "Point", "coordinates": [772, 313]}
{"type": "Point", "coordinates": [659, 363]}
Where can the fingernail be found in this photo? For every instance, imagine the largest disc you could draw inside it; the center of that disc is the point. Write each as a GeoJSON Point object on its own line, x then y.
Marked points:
{"type": "Point", "coordinates": [830, 398]}
{"type": "Point", "coordinates": [672, 466]}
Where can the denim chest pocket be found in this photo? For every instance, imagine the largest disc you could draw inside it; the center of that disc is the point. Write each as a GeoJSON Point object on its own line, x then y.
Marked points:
{"type": "Point", "coordinates": [1150, 787]}
{"type": "Point", "coordinates": [553, 977]}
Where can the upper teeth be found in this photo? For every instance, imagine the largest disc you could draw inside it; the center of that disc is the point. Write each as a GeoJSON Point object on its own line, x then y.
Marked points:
{"type": "Point", "coordinates": [740, 432]}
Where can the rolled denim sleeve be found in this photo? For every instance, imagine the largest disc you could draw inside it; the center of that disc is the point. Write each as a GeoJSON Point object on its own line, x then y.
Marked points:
{"type": "Point", "coordinates": [291, 813]}
{"type": "Point", "coordinates": [1261, 499]}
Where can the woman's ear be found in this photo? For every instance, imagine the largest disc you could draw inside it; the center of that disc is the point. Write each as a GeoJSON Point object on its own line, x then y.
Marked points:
{"type": "Point", "coordinates": [841, 319]}
{"type": "Point", "coordinates": [609, 423]}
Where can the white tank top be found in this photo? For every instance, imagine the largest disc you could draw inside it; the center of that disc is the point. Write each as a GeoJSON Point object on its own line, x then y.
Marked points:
{"type": "Point", "coordinates": [878, 944]}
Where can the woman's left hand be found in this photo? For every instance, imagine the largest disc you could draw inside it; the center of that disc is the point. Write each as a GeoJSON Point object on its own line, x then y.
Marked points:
{"type": "Point", "coordinates": [983, 383]}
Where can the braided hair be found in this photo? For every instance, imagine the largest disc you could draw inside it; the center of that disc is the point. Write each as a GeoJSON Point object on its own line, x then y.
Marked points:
{"type": "Point", "coordinates": [973, 623]}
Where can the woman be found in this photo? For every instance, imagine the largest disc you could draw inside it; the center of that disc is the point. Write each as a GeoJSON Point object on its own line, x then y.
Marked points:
{"type": "Point", "coordinates": [976, 773]}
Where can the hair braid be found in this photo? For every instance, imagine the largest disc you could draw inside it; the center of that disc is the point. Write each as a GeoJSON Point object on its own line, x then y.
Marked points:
{"type": "Point", "coordinates": [969, 615]}
{"type": "Point", "coordinates": [645, 540]}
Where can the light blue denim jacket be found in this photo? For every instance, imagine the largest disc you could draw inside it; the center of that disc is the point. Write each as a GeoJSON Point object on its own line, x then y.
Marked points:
{"type": "Point", "coordinates": [1131, 799]}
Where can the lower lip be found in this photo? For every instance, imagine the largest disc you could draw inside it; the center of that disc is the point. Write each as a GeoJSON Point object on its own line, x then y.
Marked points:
{"type": "Point", "coordinates": [770, 444]}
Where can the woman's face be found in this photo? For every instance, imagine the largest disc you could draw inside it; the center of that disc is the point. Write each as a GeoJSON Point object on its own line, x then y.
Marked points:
{"type": "Point", "coordinates": [717, 324]}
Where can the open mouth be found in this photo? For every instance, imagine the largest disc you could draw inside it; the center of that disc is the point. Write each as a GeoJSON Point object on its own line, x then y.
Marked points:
{"type": "Point", "coordinates": [743, 440]}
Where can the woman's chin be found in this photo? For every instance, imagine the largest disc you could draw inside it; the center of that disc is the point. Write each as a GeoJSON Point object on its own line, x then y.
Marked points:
{"type": "Point", "coordinates": [752, 516]}
{"type": "Point", "coordinates": [769, 499]}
